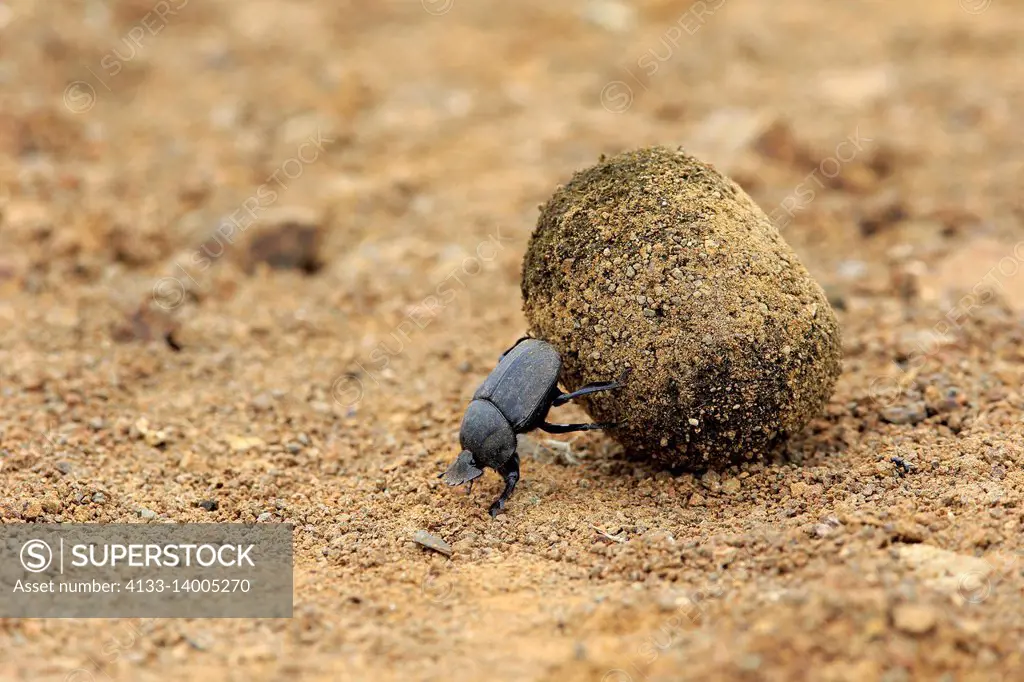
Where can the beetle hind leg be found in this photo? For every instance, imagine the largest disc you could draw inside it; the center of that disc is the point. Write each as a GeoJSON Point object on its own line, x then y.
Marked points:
{"type": "Point", "coordinates": [570, 428]}
{"type": "Point", "coordinates": [586, 390]}
{"type": "Point", "coordinates": [521, 339]}
{"type": "Point", "coordinates": [595, 387]}
{"type": "Point", "coordinates": [510, 472]}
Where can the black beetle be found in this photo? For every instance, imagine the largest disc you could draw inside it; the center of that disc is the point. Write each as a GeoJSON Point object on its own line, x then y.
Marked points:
{"type": "Point", "coordinates": [514, 398]}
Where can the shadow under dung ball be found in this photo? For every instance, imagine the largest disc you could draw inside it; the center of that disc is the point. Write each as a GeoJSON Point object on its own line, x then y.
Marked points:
{"type": "Point", "coordinates": [655, 261]}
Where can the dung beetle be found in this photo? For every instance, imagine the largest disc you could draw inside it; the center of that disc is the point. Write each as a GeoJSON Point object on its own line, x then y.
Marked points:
{"type": "Point", "coordinates": [513, 399]}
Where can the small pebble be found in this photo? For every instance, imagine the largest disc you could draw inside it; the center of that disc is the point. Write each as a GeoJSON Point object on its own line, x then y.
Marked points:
{"type": "Point", "coordinates": [668, 601]}
{"type": "Point", "coordinates": [285, 238]}
{"type": "Point", "coordinates": [911, 414]}
{"type": "Point", "coordinates": [264, 517]}
{"type": "Point", "coordinates": [433, 542]}
{"type": "Point", "coordinates": [611, 15]}
{"type": "Point", "coordinates": [822, 530]}
{"type": "Point", "coordinates": [244, 443]}
{"type": "Point", "coordinates": [99, 498]}
{"type": "Point", "coordinates": [64, 467]}
{"type": "Point", "coordinates": [33, 509]}
{"type": "Point", "coordinates": [209, 505]}
{"type": "Point", "coordinates": [914, 619]}
{"type": "Point", "coordinates": [263, 402]}
{"type": "Point", "coordinates": [147, 513]}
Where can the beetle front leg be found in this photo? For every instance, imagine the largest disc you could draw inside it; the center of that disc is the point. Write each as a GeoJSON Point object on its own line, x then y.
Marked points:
{"type": "Point", "coordinates": [510, 472]}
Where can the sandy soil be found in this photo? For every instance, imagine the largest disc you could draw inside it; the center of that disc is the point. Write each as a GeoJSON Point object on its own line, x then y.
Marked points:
{"type": "Point", "coordinates": [416, 140]}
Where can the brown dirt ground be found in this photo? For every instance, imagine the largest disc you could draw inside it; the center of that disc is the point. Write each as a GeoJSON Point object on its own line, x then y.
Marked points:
{"type": "Point", "coordinates": [446, 129]}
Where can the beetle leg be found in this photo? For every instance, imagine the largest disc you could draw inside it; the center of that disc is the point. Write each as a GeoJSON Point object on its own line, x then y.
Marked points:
{"type": "Point", "coordinates": [521, 339]}
{"type": "Point", "coordinates": [569, 428]}
{"type": "Point", "coordinates": [590, 388]}
{"type": "Point", "coordinates": [469, 487]}
{"type": "Point", "coordinates": [510, 472]}
{"type": "Point", "coordinates": [586, 390]}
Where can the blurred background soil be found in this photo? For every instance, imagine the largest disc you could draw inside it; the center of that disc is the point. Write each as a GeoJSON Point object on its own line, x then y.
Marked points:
{"type": "Point", "coordinates": [309, 362]}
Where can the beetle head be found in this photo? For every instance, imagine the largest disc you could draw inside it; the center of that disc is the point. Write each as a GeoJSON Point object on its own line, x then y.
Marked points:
{"type": "Point", "coordinates": [462, 470]}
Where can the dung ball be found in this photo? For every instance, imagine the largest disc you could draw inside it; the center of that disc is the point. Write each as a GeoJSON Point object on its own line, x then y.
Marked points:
{"type": "Point", "coordinates": [654, 261]}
